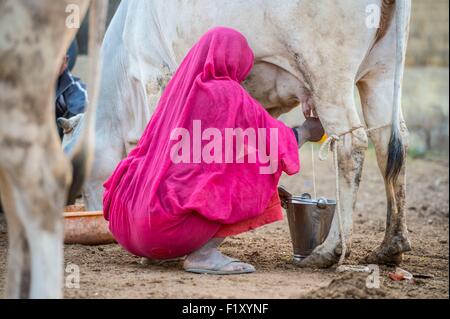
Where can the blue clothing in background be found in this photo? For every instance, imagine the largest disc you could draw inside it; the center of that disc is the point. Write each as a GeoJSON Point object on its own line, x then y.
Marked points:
{"type": "Point", "coordinates": [71, 96]}
{"type": "Point", "coordinates": [73, 54]}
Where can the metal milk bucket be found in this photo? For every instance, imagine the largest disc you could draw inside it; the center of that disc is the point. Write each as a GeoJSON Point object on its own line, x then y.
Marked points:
{"type": "Point", "coordinates": [309, 221]}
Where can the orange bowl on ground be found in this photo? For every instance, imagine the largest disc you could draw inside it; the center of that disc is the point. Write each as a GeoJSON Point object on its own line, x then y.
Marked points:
{"type": "Point", "coordinates": [86, 228]}
{"type": "Point", "coordinates": [74, 208]}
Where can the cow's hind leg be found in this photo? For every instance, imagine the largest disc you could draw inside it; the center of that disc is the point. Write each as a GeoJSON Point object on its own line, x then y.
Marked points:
{"type": "Point", "coordinates": [376, 92]}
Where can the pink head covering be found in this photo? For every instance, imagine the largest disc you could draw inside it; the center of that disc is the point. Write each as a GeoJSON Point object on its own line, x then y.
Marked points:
{"type": "Point", "coordinates": [160, 209]}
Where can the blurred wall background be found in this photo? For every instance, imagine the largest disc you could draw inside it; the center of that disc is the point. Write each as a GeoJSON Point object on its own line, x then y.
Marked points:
{"type": "Point", "coordinates": [425, 93]}
{"type": "Point", "coordinates": [426, 97]}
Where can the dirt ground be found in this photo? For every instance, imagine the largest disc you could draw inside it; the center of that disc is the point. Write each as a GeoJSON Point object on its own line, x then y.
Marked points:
{"type": "Point", "coordinates": [110, 272]}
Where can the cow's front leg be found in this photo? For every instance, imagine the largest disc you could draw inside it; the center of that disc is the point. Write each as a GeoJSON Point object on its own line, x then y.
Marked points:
{"type": "Point", "coordinates": [19, 271]}
{"type": "Point", "coordinates": [351, 149]}
{"type": "Point", "coordinates": [109, 150]}
{"type": "Point", "coordinates": [34, 179]}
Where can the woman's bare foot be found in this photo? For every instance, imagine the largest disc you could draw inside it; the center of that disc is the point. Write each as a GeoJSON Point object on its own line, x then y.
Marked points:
{"type": "Point", "coordinates": [209, 260]}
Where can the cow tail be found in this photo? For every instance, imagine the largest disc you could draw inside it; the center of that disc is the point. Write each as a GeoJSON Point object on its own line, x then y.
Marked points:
{"type": "Point", "coordinates": [397, 149]}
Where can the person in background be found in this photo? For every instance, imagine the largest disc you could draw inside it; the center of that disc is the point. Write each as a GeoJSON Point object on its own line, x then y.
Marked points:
{"type": "Point", "coordinates": [71, 95]}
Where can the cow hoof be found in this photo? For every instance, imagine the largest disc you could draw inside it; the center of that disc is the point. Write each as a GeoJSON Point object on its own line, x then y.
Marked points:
{"type": "Point", "coordinates": [378, 258]}
{"type": "Point", "coordinates": [316, 260]}
{"type": "Point", "coordinates": [389, 253]}
{"type": "Point", "coordinates": [338, 250]}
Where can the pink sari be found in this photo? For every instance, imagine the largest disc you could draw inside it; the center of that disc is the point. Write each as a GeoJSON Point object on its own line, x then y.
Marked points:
{"type": "Point", "coordinates": [161, 209]}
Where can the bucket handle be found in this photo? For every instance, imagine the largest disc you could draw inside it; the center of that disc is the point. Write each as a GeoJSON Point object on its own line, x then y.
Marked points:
{"type": "Point", "coordinates": [284, 195]}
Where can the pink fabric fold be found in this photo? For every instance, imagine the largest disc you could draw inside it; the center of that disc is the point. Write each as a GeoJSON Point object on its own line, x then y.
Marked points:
{"type": "Point", "coordinates": [161, 209]}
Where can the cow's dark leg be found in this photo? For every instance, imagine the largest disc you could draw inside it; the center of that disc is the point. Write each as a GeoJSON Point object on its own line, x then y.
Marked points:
{"type": "Point", "coordinates": [376, 91]}
{"type": "Point", "coordinates": [376, 88]}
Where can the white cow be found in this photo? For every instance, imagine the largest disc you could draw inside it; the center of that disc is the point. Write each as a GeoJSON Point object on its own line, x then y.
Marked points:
{"type": "Point", "coordinates": [307, 52]}
{"type": "Point", "coordinates": [34, 173]}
